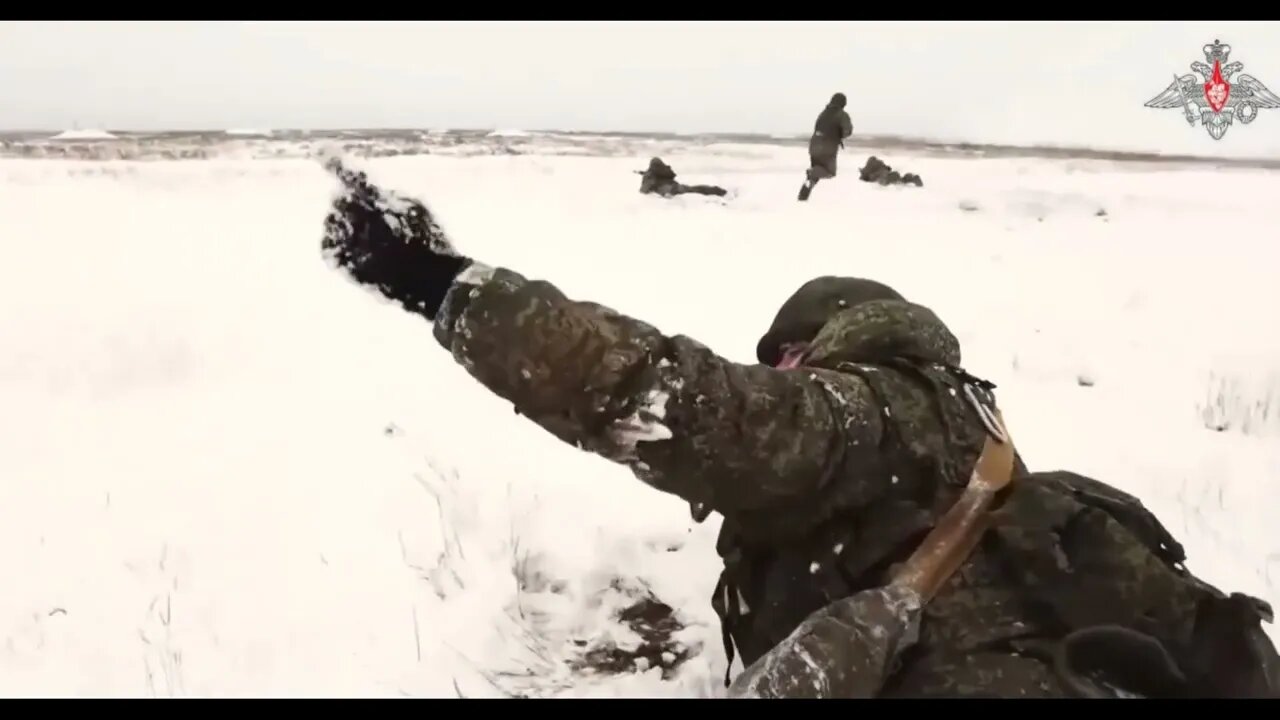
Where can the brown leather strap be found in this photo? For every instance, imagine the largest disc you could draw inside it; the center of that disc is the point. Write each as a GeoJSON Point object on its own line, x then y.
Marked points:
{"type": "Point", "coordinates": [958, 531]}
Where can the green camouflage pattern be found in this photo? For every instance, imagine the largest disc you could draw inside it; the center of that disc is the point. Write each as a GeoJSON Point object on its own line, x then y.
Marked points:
{"type": "Point", "coordinates": [876, 626]}
{"type": "Point", "coordinates": [828, 475]}
{"type": "Point", "coordinates": [734, 437]}
{"type": "Point", "coordinates": [812, 306]}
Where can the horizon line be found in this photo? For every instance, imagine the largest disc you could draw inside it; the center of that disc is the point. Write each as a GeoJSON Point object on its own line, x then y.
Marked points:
{"type": "Point", "coordinates": [864, 139]}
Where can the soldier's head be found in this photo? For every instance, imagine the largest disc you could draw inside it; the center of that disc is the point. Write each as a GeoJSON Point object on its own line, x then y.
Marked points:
{"type": "Point", "coordinates": [839, 100]}
{"type": "Point", "coordinates": [808, 310]}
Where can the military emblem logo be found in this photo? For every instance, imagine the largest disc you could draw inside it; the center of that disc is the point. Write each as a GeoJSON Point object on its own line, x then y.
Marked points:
{"type": "Point", "coordinates": [1220, 100]}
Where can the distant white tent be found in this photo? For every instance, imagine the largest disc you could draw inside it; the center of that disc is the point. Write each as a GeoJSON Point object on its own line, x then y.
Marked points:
{"type": "Point", "coordinates": [84, 135]}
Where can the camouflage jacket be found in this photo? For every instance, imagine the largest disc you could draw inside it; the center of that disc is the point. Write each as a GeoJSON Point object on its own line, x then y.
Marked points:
{"type": "Point", "coordinates": [829, 474]}
{"type": "Point", "coordinates": [748, 441]}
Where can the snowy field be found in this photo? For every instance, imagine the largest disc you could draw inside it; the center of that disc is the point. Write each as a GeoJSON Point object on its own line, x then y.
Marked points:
{"type": "Point", "coordinates": [226, 471]}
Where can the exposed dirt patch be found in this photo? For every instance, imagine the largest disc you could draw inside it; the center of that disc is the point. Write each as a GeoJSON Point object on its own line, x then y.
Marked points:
{"type": "Point", "coordinates": [656, 624]}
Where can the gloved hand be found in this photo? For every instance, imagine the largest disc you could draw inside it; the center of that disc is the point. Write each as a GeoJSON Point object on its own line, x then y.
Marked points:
{"type": "Point", "coordinates": [390, 243]}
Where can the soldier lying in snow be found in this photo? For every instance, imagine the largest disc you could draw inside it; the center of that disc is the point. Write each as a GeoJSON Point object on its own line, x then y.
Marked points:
{"type": "Point", "coordinates": [830, 461]}
{"type": "Point", "coordinates": [876, 171]}
{"type": "Point", "coordinates": [659, 178]}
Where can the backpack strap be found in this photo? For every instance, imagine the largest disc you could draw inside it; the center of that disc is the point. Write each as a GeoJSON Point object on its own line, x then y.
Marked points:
{"type": "Point", "coordinates": [724, 601]}
{"type": "Point", "coordinates": [1127, 510]}
{"type": "Point", "coordinates": [959, 530]}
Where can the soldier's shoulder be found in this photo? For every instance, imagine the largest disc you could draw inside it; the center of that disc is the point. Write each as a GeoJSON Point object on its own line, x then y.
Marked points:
{"type": "Point", "coordinates": [882, 329]}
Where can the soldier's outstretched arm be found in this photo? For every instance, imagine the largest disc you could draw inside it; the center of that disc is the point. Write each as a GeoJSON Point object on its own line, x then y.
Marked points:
{"type": "Point", "coordinates": [731, 436]}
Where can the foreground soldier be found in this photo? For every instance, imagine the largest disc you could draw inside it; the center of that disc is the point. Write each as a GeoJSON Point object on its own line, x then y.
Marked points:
{"type": "Point", "coordinates": [831, 461]}
{"type": "Point", "coordinates": [829, 133]}
{"type": "Point", "coordinates": [849, 648]}
{"type": "Point", "coordinates": [660, 179]}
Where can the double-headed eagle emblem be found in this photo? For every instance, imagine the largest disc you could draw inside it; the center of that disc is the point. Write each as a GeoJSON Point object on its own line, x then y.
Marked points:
{"type": "Point", "coordinates": [1219, 101]}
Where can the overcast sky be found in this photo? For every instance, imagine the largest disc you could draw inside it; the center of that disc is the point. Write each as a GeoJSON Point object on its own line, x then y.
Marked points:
{"type": "Point", "coordinates": [1064, 83]}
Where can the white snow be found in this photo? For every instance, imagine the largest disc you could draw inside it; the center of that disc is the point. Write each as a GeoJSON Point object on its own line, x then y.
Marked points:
{"type": "Point", "coordinates": [84, 135]}
{"type": "Point", "coordinates": [253, 132]}
{"type": "Point", "coordinates": [476, 273]}
{"type": "Point", "coordinates": [224, 470]}
{"type": "Point", "coordinates": [644, 424]}
{"type": "Point", "coordinates": [511, 133]}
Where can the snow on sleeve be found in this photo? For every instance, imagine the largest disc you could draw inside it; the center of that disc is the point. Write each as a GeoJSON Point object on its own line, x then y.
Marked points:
{"type": "Point", "coordinates": [476, 273]}
{"type": "Point", "coordinates": [841, 651]}
{"type": "Point", "coordinates": [646, 422]}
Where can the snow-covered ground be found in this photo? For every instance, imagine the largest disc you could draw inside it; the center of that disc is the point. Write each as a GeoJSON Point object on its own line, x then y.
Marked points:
{"type": "Point", "coordinates": [226, 471]}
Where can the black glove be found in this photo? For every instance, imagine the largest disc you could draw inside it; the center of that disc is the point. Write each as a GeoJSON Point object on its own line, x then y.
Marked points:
{"type": "Point", "coordinates": [390, 243]}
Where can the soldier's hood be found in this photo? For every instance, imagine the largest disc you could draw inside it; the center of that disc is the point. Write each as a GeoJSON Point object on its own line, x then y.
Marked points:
{"type": "Point", "coordinates": [845, 319]}
{"type": "Point", "coordinates": [880, 330]}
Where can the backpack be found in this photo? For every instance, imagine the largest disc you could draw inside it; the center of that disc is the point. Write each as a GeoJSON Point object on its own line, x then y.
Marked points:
{"type": "Point", "coordinates": [1093, 561]}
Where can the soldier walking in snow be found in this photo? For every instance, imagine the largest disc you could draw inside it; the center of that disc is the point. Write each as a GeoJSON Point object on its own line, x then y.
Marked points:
{"type": "Point", "coordinates": [857, 560]}
{"type": "Point", "coordinates": [829, 132]}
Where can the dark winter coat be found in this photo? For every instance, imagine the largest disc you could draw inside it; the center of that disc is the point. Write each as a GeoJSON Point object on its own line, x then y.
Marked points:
{"type": "Point", "coordinates": [829, 474]}
{"type": "Point", "coordinates": [830, 130]}
{"type": "Point", "coordinates": [660, 179]}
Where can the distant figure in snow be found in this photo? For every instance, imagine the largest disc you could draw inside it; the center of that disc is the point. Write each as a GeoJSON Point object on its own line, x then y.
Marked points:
{"type": "Point", "coordinates": [835, 461]}
{"type": "Point", "coordinates": [876, 171]}
{"type": "Point", "coordinates": [660, 179]}
{"type": "Point", "coordinates": [829, 132]}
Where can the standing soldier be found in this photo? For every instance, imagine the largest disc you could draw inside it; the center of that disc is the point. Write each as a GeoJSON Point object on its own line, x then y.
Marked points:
{"type": "Point", "coordinates": [829, 131]}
